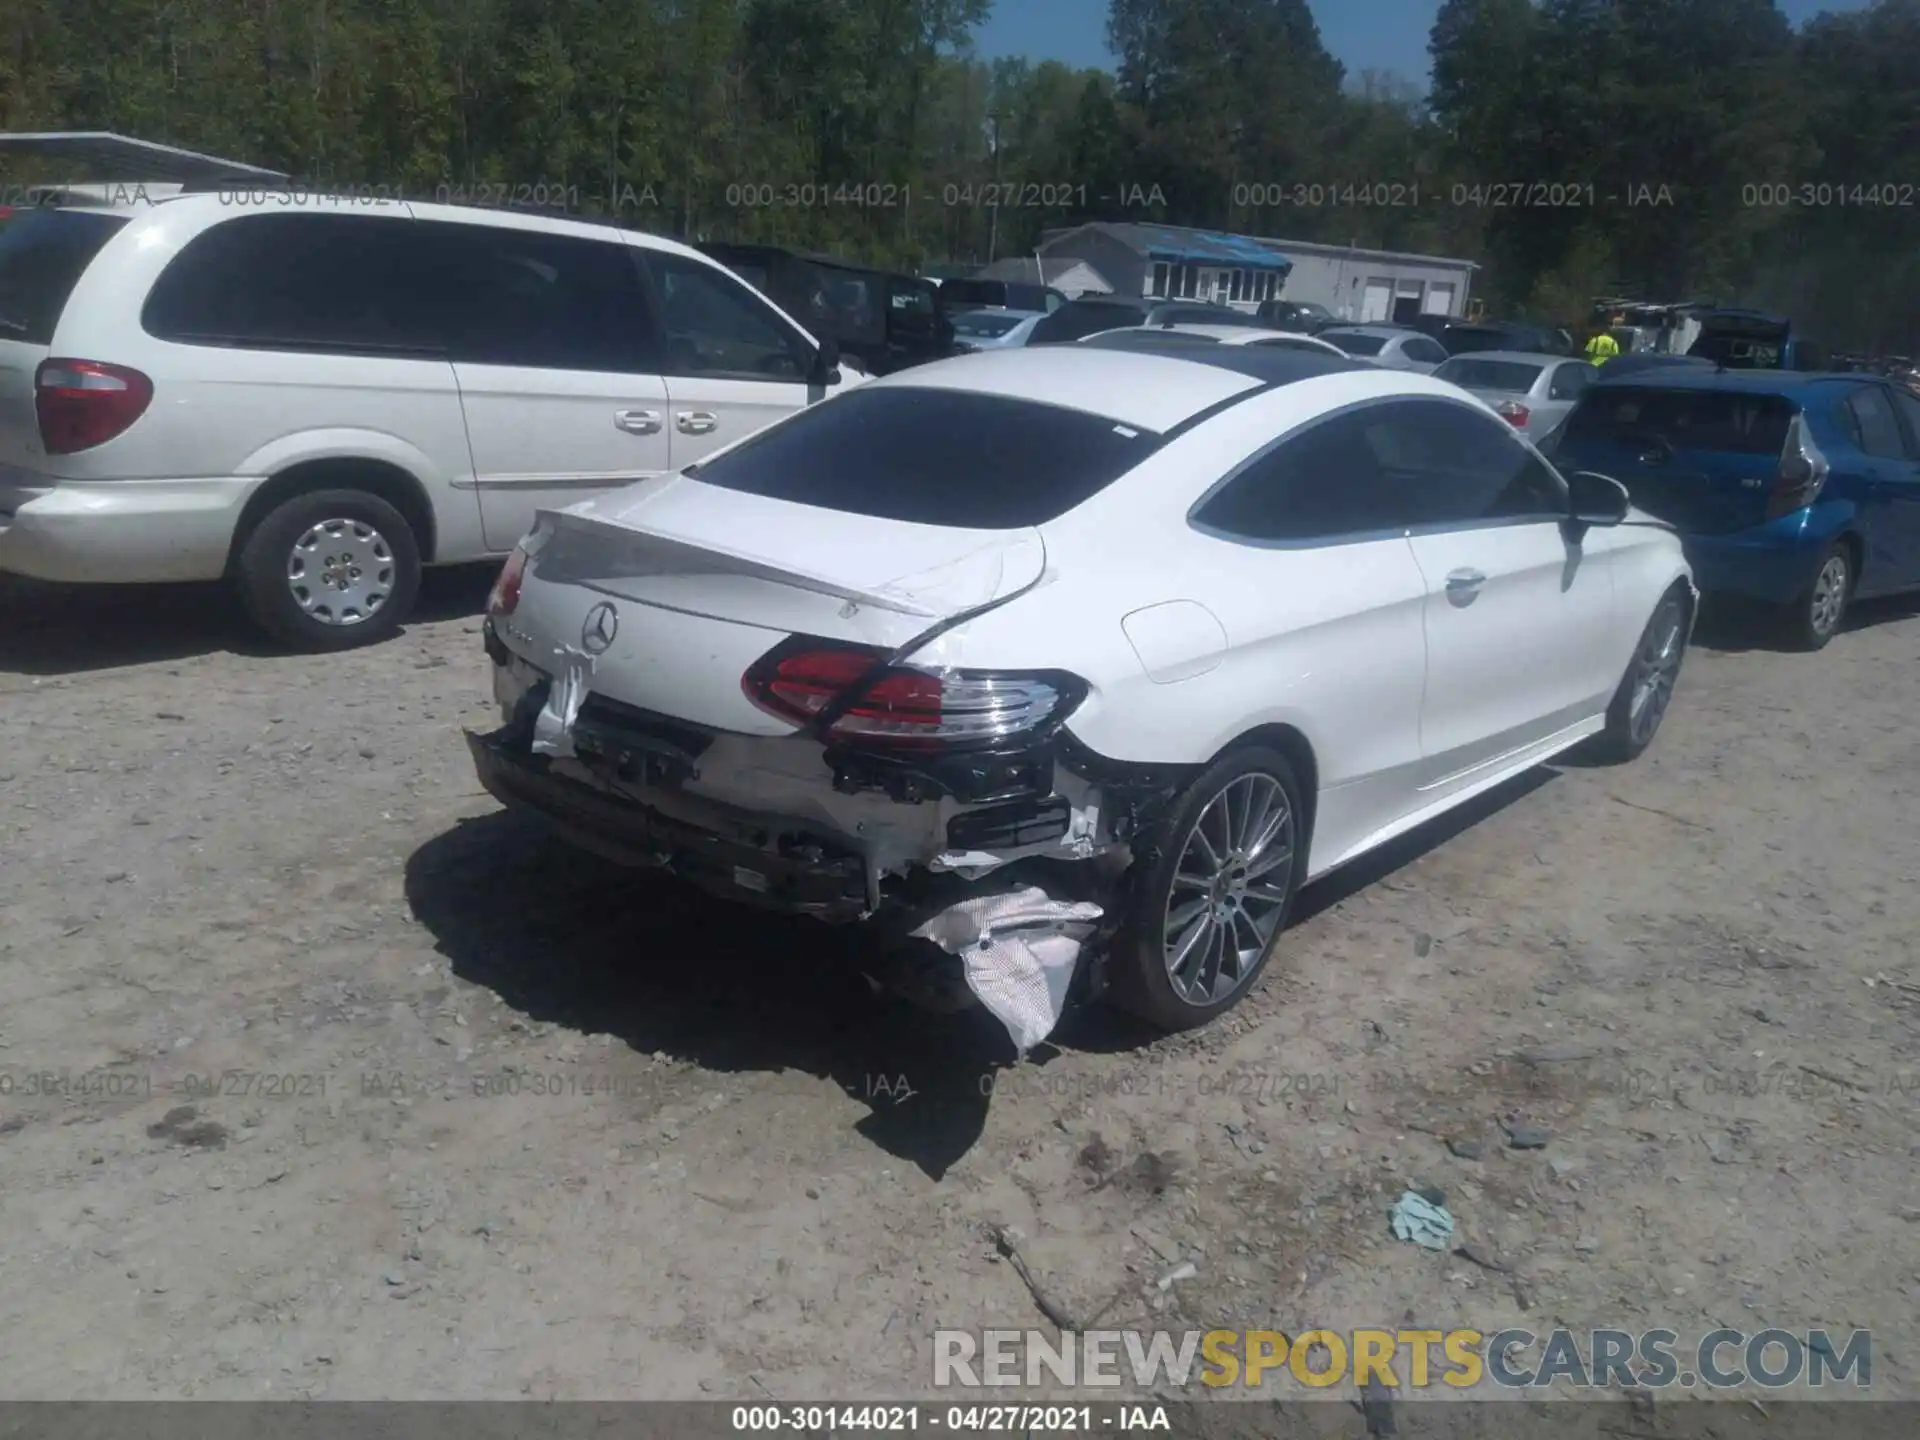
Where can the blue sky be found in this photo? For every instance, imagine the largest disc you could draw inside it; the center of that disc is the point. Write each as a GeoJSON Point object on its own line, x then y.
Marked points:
{"type": "Point", "coordinates": [1362, 34]}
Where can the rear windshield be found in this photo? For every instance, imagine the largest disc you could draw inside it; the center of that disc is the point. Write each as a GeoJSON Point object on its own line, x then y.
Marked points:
{"type": "Point", "coordinates": [1356, 344]}
{"type": "Point", "coordinates": [1462, 340]}
{"type": "Point", "coordinates": [43, 254]}
{"type": "Point", "coordinates": [1077, 320]}
{"type": "Point", "coordinates": [934, 457]}
{"type": "Point", "coordinates": [987, 323]}
{"type": "Point", "coordinates": [1721, 420]}
{"type": "Point", "coordinates": [1510, 375]}
{"type": "Point", "coordinates": [973, 292]}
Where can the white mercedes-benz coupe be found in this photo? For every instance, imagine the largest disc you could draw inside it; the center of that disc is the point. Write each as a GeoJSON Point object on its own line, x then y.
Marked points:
{"type": "Point", "coordinates": [1153, 636]}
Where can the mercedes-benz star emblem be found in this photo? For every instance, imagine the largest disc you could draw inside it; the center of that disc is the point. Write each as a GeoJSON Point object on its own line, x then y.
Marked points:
{"type": "Point", "coordinates": [599, 628]}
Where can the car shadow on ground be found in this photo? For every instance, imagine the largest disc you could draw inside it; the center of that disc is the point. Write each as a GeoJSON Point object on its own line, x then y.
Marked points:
{"type": "Point", "coordinates": [49, 630]}
{"type": "Point", "coordinates": [568, 939]}
{"type": "Point", "coordinates": [1735, 627]}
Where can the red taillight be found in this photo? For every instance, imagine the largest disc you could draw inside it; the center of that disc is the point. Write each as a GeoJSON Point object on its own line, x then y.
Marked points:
{"type": "Point", "coordinates": [505, 597]}
{"type": "Point", "coordinates": [901, 704]}
{"type": "Point", "coordinates": [1514, 413]}
{"type": "Point", "coordinates": [84, 403]}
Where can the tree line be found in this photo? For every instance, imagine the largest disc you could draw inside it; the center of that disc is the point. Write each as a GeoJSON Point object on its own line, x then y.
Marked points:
{"type": "Point", "coordinates": [1675, 149]}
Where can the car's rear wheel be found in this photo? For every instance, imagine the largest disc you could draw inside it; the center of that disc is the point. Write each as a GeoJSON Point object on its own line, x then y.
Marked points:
{"type": "Point", "coordinates": [1640, 704]}
{"type": "Point", "coordinates": [1211, 887]}
{"type": "Point", "coordinates": [330, 570]}
{"type": "Point", "coordinates": [1816, 617]}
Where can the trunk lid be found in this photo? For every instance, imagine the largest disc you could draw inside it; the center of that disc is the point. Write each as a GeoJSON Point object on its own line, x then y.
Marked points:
{"type": "Point", "coordinates": [1704, 461]}
{"type": "Point", "coordinates": [702, 582]}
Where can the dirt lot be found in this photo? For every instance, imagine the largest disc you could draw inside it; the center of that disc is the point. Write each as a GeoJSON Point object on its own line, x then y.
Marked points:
{"type": "Point", "coordinates": [371, 1091]}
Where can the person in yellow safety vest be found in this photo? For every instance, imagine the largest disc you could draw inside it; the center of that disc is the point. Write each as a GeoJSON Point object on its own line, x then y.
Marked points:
{"type": "Point", "coordinates": [1602, 348]}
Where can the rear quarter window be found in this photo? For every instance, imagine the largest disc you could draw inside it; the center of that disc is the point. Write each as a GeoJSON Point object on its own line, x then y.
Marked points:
{"type": "Point", "coordinates": [43, 254]}
{"type": "Point", "coordinates": [934, 457]}
{"type": "Point", "coordinates": [1721, 420]}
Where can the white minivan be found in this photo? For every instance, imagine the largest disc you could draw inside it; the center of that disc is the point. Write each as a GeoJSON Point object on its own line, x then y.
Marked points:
{"type": "Point", "coordinates": [316, 398]}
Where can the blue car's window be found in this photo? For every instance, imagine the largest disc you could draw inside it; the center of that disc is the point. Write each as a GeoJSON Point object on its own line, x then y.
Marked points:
{"type": "Point", "coordinates": [1868, 417]}
{"type": "Point", "coordinates": [1722, 420]}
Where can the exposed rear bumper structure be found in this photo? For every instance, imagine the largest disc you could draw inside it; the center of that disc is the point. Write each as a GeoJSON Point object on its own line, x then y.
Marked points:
{"type": "Point", "coordinates": [815, 877]}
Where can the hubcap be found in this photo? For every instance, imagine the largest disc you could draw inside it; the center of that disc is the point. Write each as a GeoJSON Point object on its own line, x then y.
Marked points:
{"type": "Point", "coordinates": [1655, 668]}
{"type": "Point", "coordinates": [341, 571]}
{"type": "Point", "coordinates": [1829, 595]}
{"type": "Point", "coordinates": [1229, 889]}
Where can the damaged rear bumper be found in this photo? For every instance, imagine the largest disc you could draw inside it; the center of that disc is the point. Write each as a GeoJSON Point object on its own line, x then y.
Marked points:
{"type": "Point", "coordinates": [730, 853]}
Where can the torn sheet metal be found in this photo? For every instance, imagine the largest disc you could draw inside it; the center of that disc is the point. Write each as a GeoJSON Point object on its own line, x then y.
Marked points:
{"type": "Point", "coordinates": [1018, 954]}
{"type": "Point", "coordinates": [553, 727]}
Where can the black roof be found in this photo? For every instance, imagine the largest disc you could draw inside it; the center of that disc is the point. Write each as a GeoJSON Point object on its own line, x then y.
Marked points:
{"type": "Point", "coordinates": [1269, 364]}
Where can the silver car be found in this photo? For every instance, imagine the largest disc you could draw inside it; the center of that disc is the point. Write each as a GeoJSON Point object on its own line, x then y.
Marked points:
{"type": "Point", "coordinates": [994, 329]}
{"type": "Point", "coordinates": [1532, 392]}
{"type": "Point", "coordinates": [1388, 346]}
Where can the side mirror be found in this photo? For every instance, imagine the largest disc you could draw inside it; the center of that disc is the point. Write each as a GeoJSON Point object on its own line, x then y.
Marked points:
{"type": "Point", "coordinates": [1594, 499]}
{"type": "Point", "coordinates": [826, 364]}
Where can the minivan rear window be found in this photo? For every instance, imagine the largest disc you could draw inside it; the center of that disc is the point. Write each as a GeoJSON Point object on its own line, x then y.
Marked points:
{"type": "Point", "coordinates": [1722, 420]}
{"type": "Point", "coordinates": [934, 457]}
{"type": "Point", "coordinates": [43, 254]}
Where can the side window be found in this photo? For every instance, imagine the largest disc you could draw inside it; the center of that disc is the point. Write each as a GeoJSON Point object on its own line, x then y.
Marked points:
{"type": "Point", "coordinates": [1569, 380]}
{"type": "Point", "coordinates": [1874, 427]}
{"type": "Point", "coordinates": [717, 327]}
{"type": "Point", "coordinates": [1322, 483]}
{"type": "Point", "coordinates": [545, 302]}
{"type": "Point", "coordinates": [1458, 467]}
{"type": "Point", "coordinates": [345, 284]}
{"type": "Point", "coordinates": [1909, 406]}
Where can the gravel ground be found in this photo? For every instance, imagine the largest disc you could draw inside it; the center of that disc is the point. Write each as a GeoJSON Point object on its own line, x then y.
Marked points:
{"type": "Point", "coordinates": [371, 1091]}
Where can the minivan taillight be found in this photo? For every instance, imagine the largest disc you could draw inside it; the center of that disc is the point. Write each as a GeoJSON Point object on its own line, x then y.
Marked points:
{"type": "Point", "coordinates": [1802, 473]}
{"type": "Point", "coordinates": [910, 706]}
{"type": "Point", "coordinates": [84, 403]}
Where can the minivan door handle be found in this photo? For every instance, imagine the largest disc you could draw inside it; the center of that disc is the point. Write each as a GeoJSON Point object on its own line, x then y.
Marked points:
{"type": "Point", "coordinates": [697, 422]}
{"type": "Point", "coordinates": [637, 422]}
{"type": "Point", "coordinates": [1463, 587]}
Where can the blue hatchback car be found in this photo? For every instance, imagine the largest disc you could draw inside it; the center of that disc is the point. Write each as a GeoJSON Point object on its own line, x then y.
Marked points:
{"type": "Point", "coordinates": [1800, 490]}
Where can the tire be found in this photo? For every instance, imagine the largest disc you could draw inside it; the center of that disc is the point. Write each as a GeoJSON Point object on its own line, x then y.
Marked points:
{"type": "Point", "coordinates": [377, 561]}
{"type": "Point", "coordinates": [1646, 689]}
{"type": "Point", "coordinates": [1150, 972]}
{"type": "Point", "coordinates": [1817, 615]}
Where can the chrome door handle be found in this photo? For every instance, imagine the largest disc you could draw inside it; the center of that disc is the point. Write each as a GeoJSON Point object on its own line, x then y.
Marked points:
{"type": "Point", "coordinates": [637, 422]}
{"type": "Point", "coordinates": [1463, 586]}
{"type": "Point", "coordinates": [697, 422]}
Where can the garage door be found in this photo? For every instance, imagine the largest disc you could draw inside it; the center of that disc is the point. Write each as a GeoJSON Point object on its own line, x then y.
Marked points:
{"type": "Point", "coordinates": [1439, 300]}
{"type": "Point", "coordinates": [1378, 301]}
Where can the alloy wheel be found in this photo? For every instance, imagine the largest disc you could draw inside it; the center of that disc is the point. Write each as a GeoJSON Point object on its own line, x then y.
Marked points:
{"type": "Point", "coordinates": [341, 571]}
{"type": "Point", "coordinates": [1655, 669]}
{"type": "Point", "coordinates": [1229, 889]}
{"type": "Point", "coordinates": [1829, 598]}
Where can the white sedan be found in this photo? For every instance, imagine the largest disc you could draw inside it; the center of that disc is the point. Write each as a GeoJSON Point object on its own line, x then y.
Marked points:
{"type": "Point", "coordinates": [1001, 644]}
{"type": "Point", "coordinates": [1138, 336]}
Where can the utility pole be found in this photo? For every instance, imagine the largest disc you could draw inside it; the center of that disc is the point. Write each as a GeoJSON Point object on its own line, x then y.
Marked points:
{"type": "Point", "coordinates": [993, 215]}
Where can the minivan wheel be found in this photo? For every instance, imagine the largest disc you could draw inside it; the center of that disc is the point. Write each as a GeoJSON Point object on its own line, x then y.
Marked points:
{"type": "Point", "coordinates": [1211, 886]}
{"type": "Point", "coordinates": [1816, 617]}
{"type": "Point", "coordinates": [329, 570]}
{"type": "Point", "coordinates": [1640, 704]}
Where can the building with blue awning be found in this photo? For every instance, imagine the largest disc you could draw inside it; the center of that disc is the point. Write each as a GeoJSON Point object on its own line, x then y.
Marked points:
{"type": "Point", "coordinates": [1175, 262]}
